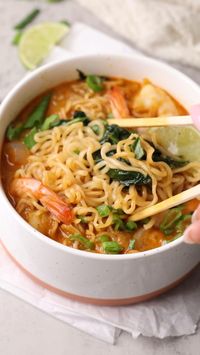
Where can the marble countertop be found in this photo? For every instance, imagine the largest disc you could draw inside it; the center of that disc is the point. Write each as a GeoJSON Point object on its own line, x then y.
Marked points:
{"type": "Point", "coordinates": [25, 330]}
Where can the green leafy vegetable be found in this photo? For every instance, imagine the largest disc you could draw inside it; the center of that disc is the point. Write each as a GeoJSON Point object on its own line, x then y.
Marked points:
{"type": "Point", "coordinates": [104, 238]}
{"type": "Point", "coordinates": [14, 132]}
{"type": "Point", "coordinates": [137, 148]}
{"type": "Point", "coordinates": [158, 156]}
{"type": "Point", "coordinates": [113, 134]}
{"type": "Point", "coordinates": [103, 210]}
{"type": "Point", "coordinates": [28, 19]}
{"type": "Point", "coordinates": [95, 128]}
{"type": "Point", "coordinates": [112, 247]}
{"type": "Point", "coordinates": [47, 124]}
{"type": "Point", "coordinates": [131, 244]}
{"type": "Point", "coordinates": [29, 138]}
{"type": "Point", "coordinates": [118, 222]}
{"type": "Point", "coordinates": [83, 219]}
{"type": "Point", "coordinates": [170, 220]}
{"type": "Point", "coordinates": [94, 82]}
{"type": "Point", "coordinates": [37, 116]}
{"type": "Point", "coordinates": [128, 178]}
{"type": "Point", "coordinates": [81, 75]}
{"type": "Point", "coordinates": [17, 37]}
{"type": "Point", "coordinates": [97, 155]}
{"type": "Point", "coordinates": [131, 225]}
{"type": "Point", "coordinates": [87, 244]}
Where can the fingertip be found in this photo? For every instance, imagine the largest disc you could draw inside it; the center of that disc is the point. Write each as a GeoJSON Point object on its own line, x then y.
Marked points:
{"type": "Point", "coordinates": [192, 234]}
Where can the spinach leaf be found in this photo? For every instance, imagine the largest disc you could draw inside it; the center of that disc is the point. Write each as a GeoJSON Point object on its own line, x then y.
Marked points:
{"type": "Point", "coordinates": [38, 114]}
{"type": "Point", "coordinates": [29, 140]}
{"type": "Point", "coordinates": [128, 178]}
{"type": "Point", "coordinates": [158, 156]}
{"type": "Point", "coordinates": [14, 132]}
{"type": "Point", "coordinates": [47, 124]}
{"type": "Point", "coordinates": [95, 83]}
{"type": "Point", "coordinates": [113, 134]}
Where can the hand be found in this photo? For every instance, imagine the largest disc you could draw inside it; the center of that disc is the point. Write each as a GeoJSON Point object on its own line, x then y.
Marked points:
{"type": "Point", "coordinates": [192, 233]}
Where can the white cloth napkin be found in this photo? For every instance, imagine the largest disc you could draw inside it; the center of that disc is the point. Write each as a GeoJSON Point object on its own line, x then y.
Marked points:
{"type": "Point", "coordinates": [174, 314]}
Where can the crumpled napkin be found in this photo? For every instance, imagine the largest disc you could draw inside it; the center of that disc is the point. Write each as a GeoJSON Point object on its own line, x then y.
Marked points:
{"type": "Point", "coordinates": [173, 314]}
{"type": "Point", "coordinates": [167, 28]}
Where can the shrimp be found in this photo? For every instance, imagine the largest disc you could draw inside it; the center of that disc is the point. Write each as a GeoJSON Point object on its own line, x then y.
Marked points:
{"type": "Point", "coordinates": [118, 103]}
{"type": "Point", "coordinates": [48, 198]}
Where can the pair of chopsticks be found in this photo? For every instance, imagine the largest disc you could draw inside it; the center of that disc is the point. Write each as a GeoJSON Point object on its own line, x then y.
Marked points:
{"type": "Point", "coordinates": [152, 122]}
{"type": "Point", "coordinates": [160, 122]}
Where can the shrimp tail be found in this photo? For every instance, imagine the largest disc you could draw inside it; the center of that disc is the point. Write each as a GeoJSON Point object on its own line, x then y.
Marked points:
{"type": "Point", "coordinates": [118, 103]}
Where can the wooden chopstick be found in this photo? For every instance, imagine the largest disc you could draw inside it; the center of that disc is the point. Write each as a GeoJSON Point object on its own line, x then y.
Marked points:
{"type": "Point", "coordinates": [152, 121]}
{"type": "Point", "coordinates": [168, 203]}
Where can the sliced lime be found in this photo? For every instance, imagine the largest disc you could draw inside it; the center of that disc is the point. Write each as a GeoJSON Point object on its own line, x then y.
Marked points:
{"type": "Point", "coordinates": [37, 41]}
{"type": "Point", "coordinates": [180, 141]}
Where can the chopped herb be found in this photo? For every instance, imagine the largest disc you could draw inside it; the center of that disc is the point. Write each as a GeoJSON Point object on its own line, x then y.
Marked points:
{"type": "Point", "coordinates": [28, 19]}
{"type": "Point", "coordinates": [83, 240]}
{"type": "Point", "coordinates": [128, 178]}
{"type": "Point", "coordinates": [29, 138]}
{"type": "Point", "coordinates": [170, 220]}
{"type": "Point", "coordinates": [14, 132]}
{"type": "Point", "coordinates": [137, 148]}
{"type": "Point", "coordinates": [118, 223]}
{"type": "Point", "coordinates": [104, 238]}
{"type": "Point", "coordinates": [48, 122]}
{"type": "Point", "coordinates": [131, 225]}
{"type": "Point", "coordinates": [95, 128]}
{"type": "Point", "coordinates": [131, 244]}
{"type": "Point", "coordinates": [113, 134]}
{"type": "Point", "coordinates": [82, 76]}
{"type": "Point", "coordinates": [83, 219]}
{"type": "Point", "coordinates": [112, 247]}
{"type": "Point", "coordinates": [17, 37]}
{"type": "Point", "coordinates": [94, 82]}
{"type": "Point", "coordinates": [103, 210]}
{"type": "Point", "coordinates": [37, 116]}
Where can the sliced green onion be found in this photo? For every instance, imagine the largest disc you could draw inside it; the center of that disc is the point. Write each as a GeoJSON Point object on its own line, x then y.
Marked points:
{"type": "Point", "coordinates": [131, 225]}
{"type": "Point", "coordinates": [38, 114]}
{"type": "Point", "coordinates": [171, 218]}
{"type": "Point", "coordinates": [28, 19]}
{"type": "Point", "coordinates": [94, 82]}
{"type": "Point", "coordinates": [17, 37]}
{"type": "Point", "coordinates": [48, 122]}
{"type": "Point", "coordinates": [103, 210]}
{"type": "Point", "coordinates": [104, 238]}
{"type": "Point", "coordinates": [118, 223]}
{"type": "Point", "coordinates": [137, 148]}
{"type": "Point", "coordinates": [83, 240]}
{"type": "Point", "coordinates": [83, 219]}
{"type": "Point", "coordinates": [29, 138]}
{"type": "Point", "coordinates": [131, 244]}
{"type": "Point", "coordinates": [112, 247]}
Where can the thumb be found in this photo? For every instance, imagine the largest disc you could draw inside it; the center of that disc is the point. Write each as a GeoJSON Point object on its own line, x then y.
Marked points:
{"type": "Point", "coordinates": [192, 233]}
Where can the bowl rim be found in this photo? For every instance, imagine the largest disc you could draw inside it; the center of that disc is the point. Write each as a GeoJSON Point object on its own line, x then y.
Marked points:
{"type": "Point", "coordinates": [45, 239]}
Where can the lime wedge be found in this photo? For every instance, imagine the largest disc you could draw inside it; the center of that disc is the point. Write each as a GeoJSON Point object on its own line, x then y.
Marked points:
{"type": "Point", "coordinates": [37, 41]}
{"type": "Point", "coordinates": [180, 141]}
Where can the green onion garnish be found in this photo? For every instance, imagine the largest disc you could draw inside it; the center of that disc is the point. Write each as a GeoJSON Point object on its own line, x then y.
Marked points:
{"type": "Point", "coordinates": [131, 244]}
{"type": "Point", "coordinates": [37, 116]}
{"type": "Point", "coordinates": [83, 240]}
{"type": "Point", "coordinates": [104, 238]}
{"type": "Point", "coordinates": [170, 221]}
{"type": "Point", "coordinates": [95, 128]}
{"type": "Point", "coordinates": [14, 132]}
{"type": "Point", "coordinates": [94, 82]}
{"type": "Point", "coordinates": [17, 37]}
{"type": "Point", "coordinates": [29, 138]}
{"type": "Point", "coordinates": [131, 225]}
{"type": "Point", "coordinates": [47, 124]}
{"type": "Point", "coordinates": [103, 210]}
{"type": "Point", "coordinates": [112, 247]}
{"type": "Point", "coordinates": [28, 19]}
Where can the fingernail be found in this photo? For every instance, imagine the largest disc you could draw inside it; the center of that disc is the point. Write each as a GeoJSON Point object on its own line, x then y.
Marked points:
{"type": "Point", "coordinates": [187, 237]}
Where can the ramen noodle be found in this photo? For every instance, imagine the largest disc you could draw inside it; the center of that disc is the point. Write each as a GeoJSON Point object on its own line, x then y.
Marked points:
{"type": "Point", "coordinates": [79, 180]}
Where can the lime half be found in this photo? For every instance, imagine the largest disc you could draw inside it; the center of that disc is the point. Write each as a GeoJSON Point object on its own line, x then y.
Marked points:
{"type": "Point", "coordinates": [37, 41]}
{"type": "Point", "coordinates": [180, 141]}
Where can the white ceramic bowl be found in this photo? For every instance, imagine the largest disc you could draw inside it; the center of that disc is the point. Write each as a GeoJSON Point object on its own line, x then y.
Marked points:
{"type": "Point", "coordinates": [95, 278]}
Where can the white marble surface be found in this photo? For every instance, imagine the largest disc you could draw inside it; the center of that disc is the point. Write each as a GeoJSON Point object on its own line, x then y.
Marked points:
{"type": "Point", "coordinates": [23, 329]}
